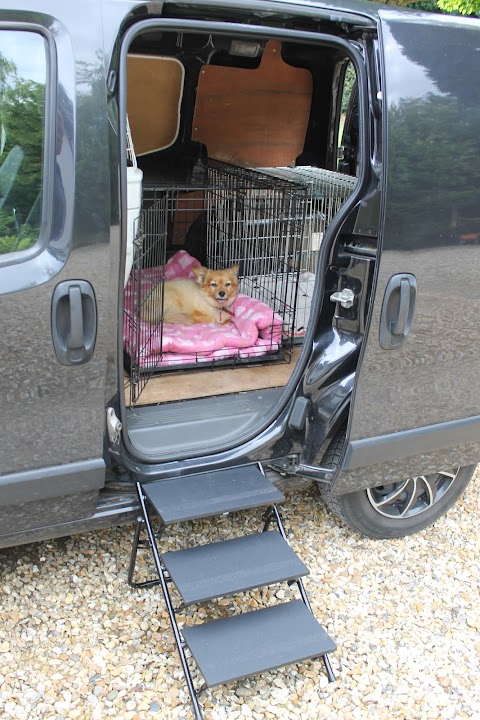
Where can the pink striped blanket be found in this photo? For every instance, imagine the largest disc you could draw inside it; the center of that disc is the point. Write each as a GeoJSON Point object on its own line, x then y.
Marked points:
{"type": "Point", "coordinates": [254, 329]}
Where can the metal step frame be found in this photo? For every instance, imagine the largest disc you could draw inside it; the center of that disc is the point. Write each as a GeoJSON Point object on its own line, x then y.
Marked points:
{"type": "Point", "coordinates": [164, 578]}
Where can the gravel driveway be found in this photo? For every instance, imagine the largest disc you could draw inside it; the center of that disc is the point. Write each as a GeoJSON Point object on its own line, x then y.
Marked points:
{"type": "Point", "coordinates": [76, 642]}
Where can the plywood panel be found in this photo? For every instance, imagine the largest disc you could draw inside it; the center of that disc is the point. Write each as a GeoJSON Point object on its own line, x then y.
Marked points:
{"type": "Point", "coordinates": [221, 381]}
{"type": "Point", "coordinates": [254, 118]}
{"type": "Point", "coordinates": [154, 93]}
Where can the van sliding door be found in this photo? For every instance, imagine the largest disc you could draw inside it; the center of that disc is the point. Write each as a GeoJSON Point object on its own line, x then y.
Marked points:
{"type": "Point", "coordinates": [416, 406]}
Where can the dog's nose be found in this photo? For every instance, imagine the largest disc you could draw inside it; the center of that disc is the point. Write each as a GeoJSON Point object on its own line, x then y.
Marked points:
{"type": "Point", "coordinates": [222, 294]}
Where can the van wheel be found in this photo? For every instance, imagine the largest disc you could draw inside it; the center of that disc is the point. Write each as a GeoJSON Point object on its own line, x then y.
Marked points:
{"type": "Point", "coordinates": [395, 509]}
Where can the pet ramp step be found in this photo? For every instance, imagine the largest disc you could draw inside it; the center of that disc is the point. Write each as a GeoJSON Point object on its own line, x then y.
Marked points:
{"type": "Point", "coordinates": [244, 645]}
{"type": "Point", "coordinates": [229, 566]}
{"type": "Point", "coordinates": [211, 493]}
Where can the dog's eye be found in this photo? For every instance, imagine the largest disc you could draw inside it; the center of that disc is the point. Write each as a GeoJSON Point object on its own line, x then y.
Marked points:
{"type": "Point", "coordinates": [213, 284]}
{"type": "Point", "coordinates": [227, 284]}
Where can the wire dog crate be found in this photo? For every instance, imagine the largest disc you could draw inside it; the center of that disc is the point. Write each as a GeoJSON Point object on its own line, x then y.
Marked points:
{"type": "Point", "coordinates": [256, 220]}
{"type": "Point", "coordinates": [235, 216]}
{"type": "Point", "coordinates": [326, 191]}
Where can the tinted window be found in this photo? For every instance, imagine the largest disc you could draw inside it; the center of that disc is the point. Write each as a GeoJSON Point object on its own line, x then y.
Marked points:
{"type": "Point", "coordinates": [23, 72]}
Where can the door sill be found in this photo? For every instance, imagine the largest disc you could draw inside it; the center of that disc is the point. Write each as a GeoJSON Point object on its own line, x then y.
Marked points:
{"type": "Point", "coordinates": [193, 426]}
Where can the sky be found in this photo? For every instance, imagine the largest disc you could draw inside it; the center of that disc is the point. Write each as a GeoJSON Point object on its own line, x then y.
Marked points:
{"type": "Point", "coordinates": [27, 51]}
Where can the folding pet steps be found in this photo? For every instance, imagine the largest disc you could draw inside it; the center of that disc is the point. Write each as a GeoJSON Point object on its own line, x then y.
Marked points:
{"type": "Point", "coordinates": [252, 642]}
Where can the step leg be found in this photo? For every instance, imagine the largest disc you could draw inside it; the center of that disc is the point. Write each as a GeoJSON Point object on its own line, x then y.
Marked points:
{"type": "Point", "coordinates": [170, 609]}
{"type": "Point", "coordinates": [328, 668]}
{"type": "Point", "coordinates": [133, 559]}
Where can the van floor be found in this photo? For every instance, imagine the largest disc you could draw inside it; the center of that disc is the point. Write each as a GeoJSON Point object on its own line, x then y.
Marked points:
{"type": "Point", "coordinates": [188, 385]}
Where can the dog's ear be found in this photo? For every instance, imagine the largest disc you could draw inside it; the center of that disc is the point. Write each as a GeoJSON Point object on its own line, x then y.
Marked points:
{"type": "Point", "coordinates": [200, 274]}
{"type": "Point", "coordinates": [235, 269]}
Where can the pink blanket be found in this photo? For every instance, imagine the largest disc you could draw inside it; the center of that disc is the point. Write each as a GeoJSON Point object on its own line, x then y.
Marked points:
{"type": "Point", "coordinates": [254, 329]}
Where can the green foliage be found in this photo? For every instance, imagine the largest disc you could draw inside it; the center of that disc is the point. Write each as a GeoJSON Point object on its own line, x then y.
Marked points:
{"type": "Point", "coordinates": [350, 77]}
{"type": "Point", "coordinates": [12, 237]}
{"type": "Point", "coordinates": [450, 7]}
{"type": "Point", "coordinates": [426, 5]}
{"type": "Point", "coordinates": [22, 111]}
{"type": "Point", "coordinates": [22, 116]}
{"type": "Point", "coordinates": [92, 169]}
{"type": "Point", "coordinates": [423, 156]}
{"type": "Point", "coordinates": [460, 7]}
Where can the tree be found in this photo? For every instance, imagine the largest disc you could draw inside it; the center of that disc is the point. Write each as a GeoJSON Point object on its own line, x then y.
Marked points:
{"type": "Point", "coordinates": [460, 7]}
{"type": "Point", "coordinates": [451, 7]}
{"type": "Point", "coordinates": [22, 109]}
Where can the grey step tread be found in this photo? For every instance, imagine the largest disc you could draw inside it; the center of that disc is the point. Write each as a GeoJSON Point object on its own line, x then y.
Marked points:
{"type": "Point", "coordinates": [222, 568]}
{"type": "Point", "coordinates": [212, 493]}
{"type": "Point", "coordinates": [255, 642]}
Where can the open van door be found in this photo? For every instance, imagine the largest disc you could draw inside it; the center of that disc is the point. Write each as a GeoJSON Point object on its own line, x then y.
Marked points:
{"type": "Point", "coordinates": [415, 414]}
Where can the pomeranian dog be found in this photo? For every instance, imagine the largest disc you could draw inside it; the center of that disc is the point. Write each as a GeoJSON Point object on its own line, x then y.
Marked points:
{"type": "Point", "coordinates": [206, 299]}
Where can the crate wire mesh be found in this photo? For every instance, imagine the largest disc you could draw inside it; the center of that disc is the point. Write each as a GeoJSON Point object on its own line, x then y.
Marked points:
{"type": "Point", "coordinates": [326, 191]}
{"type": "Point", "coordinates": [257, 221]}
{"type": "Point", "coordinates": [149, 251]}
{"type": "Point", "coordinates": [236, 216]}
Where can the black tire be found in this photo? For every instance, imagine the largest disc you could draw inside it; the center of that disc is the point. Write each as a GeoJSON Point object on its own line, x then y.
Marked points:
{"type": "Point", "coordinates": [398, 509]}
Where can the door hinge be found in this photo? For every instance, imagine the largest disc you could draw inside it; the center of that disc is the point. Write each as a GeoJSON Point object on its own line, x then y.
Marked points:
{"type": "Point", "coordinates": [291, 465]}
{"type": "Point", "coordinates": [114, 426]}
{"type": "Point", "coordinates": [285, 465]}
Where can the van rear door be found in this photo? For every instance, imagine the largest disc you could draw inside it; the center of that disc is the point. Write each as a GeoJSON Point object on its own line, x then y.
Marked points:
{"type": "Point", "coordinates": [416, 404]}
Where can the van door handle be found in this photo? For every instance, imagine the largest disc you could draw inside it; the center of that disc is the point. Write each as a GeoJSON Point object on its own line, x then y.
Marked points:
{"type": "Point", "coordinates": [74, 322]}
{"type": "Point", "coordinates": [400, 325]}
{"type": "Point", "coordinates": [75, 341]}
{"type": "Point", "coordinates": [397, 310]}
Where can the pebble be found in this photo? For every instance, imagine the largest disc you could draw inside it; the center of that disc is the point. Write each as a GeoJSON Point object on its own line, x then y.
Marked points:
{"type": "Point", "coordinates": [77, 643]}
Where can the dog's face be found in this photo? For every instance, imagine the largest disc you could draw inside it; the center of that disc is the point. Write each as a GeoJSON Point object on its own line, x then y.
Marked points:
{"type": "Point", "coordinates": [220, 286]}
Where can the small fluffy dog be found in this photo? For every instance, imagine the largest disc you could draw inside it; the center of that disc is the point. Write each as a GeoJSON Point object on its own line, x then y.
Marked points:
{"type": "Point", "coordinates": [206, 299]}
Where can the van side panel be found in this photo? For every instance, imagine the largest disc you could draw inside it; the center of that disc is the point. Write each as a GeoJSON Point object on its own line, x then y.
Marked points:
{"type": "Point", "coordinates": [54, 414]}
{"type": "Point", "coordinates": [410, 403]}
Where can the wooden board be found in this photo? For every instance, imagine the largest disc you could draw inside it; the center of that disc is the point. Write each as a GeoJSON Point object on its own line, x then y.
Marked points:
{"type": "Point", "coordinates": [221, 381]}
{"type": "Point", "coordinates": [254, 118]}
{"type": "Point", "coordinates": [154, 93]}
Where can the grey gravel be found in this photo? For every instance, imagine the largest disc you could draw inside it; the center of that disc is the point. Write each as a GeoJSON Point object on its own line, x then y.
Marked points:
{"type": "Point", "coordinates": [77, 642]}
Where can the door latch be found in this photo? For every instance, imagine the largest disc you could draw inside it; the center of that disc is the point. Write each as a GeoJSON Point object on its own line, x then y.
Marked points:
{"type": "Point", "coordinates": [345, 297]}
{"type": "Point", "coordinates": [114, 426]}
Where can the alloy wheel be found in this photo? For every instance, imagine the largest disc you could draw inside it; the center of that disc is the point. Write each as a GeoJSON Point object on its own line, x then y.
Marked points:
{"type": "Point", "coordinates": [412, 496]}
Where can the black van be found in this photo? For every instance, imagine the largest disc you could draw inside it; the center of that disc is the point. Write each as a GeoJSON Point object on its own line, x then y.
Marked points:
{"type": "Point", "coordinates": [330, 151]}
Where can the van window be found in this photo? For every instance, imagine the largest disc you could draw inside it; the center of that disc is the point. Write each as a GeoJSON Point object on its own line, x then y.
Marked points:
{"type": "Point", "coordinates": [23, 72]}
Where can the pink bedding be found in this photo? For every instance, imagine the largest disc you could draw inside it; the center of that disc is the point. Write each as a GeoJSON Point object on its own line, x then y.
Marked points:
{"type": "Point", "coordinates": [254, 329]}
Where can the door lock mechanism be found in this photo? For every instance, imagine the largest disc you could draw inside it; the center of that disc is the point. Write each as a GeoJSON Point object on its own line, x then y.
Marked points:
{"type": "Point", "coordinates": [114, 426]}
{"type": "Point", "coordinates": [345, 297]}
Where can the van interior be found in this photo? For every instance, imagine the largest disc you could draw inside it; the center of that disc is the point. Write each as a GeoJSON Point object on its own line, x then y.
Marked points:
{"type": "Point", "coordinates": [240, 153]}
